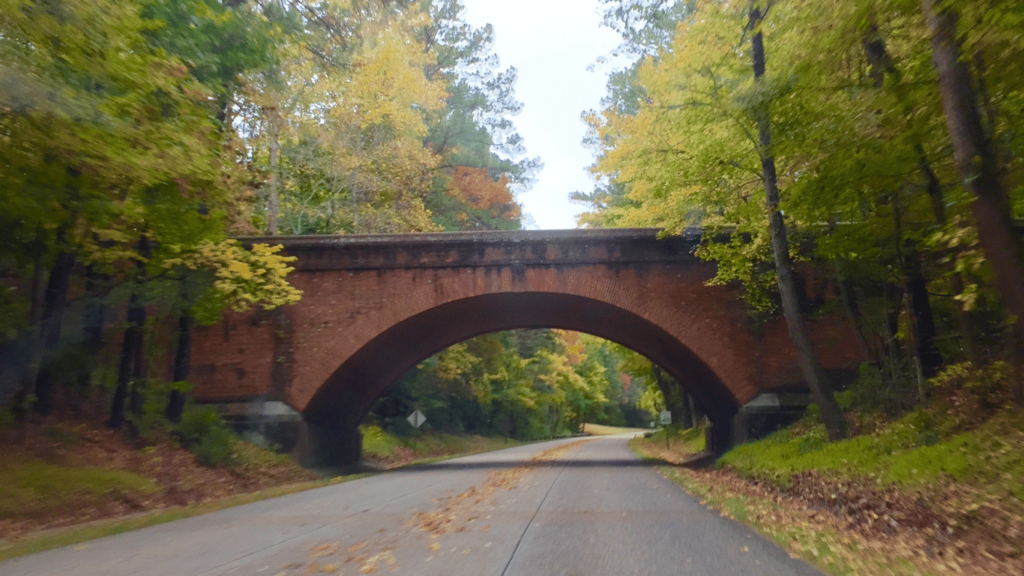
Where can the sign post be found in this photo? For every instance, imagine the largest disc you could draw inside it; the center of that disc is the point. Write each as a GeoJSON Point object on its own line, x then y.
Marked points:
{"type": "Point", "coordinates": [416, 419]}
{"type": "Point", "coordinates": [666, 419]}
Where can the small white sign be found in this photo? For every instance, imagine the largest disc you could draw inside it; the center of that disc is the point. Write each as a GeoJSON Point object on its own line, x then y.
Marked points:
{"type": "Point", "coordinates": [666, 417]}
{"type": "Point", "coordinates": [416, 419]}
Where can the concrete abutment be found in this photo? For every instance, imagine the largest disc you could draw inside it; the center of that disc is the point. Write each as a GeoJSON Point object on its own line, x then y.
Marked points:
{"type": "Point", "coordinates": [330, 446]}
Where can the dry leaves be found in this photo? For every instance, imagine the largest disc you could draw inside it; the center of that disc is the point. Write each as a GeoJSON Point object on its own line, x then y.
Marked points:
{"type": "Point", "coordinates": [179, 478]}
{"type": "Point", "coordinates": [455, 512]}
{"type": "Point", "coordinates": [452, 514]}
{"type": "Point", "coordinates": [949, 529]}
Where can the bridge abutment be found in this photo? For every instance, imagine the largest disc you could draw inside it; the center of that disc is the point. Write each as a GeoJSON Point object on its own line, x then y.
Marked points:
{"type": "Point", "coordinates": [720, 437]}
{"type": "Point", "coordinates": [328, 446]}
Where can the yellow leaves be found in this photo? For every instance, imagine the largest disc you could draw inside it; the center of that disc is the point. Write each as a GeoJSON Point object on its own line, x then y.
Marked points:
{"type": "Point", "coordinates": [351, 136]}
{"type": "Point", "coordinates": [239, 270]}
{"type": "Point", "coordinates": [389, 85]}
{"type": "Point", "coordinates": [324, 549]}
{"type": "Point", "coordinates": [244, 278]}
{"type": "Point", "coordinates": [960, 239]}
{"type": "Point", "coordinates": [455, 361]}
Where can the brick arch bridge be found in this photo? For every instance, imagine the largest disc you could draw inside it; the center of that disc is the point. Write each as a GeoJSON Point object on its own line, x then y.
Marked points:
{"type": "Point", "coordinates": [376, 305]}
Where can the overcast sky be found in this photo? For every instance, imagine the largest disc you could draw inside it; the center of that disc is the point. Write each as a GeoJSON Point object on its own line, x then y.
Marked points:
{"type": "Point", "coordinates": [551, 43]}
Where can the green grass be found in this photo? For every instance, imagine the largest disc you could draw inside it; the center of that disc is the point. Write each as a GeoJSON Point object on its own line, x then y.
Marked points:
{"type": "Point", "coordinates": [379, 443]}
{"type": "Point", "coordinates": [691, 440]}
{"type": "Point", "coordinates": [32, 487]}
{"type": "Point", "coordinates": [384, 446]}
{"type": "Point", "coordinates": [911, 452]}
{"type": "Point", "coordinates": [249, 454]}
{"type": "Point", "coordinates": [602, 430]}
{"type": "Point", "coordinates": [830, 552]}
{"type": "Point", "coordinates": [57, 538]}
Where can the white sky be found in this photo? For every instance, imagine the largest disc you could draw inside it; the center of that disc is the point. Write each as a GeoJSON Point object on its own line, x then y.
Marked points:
{"type": "Point", "coordinates": [551, 43]}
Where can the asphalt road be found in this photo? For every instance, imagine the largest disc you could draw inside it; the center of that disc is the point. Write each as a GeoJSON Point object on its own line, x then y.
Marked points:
{"type": "Point", "coordinates": [565, 508]}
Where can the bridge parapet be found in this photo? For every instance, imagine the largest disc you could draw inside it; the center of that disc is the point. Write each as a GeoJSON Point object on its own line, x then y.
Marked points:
{"type": "Point", "coordinates": [485, 249]}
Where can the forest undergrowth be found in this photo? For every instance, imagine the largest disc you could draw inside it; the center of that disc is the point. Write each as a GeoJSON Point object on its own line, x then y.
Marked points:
{"type": "Point", "coordinates": [69, 480]}
{"type": "Point", "coordinates": [937, 490]}
{"type": "Point", "coordinates": [59, 473]}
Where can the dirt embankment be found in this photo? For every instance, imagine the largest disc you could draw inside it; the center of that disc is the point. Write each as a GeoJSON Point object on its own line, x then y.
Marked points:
{"type": "Point", "coordinates": [60, 474]}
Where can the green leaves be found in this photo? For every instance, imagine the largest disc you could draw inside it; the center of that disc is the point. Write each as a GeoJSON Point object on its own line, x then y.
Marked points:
{"type": "Point", "coordinates": [864, 162]}
{"type": "Point", "coordinates": [526, 383]}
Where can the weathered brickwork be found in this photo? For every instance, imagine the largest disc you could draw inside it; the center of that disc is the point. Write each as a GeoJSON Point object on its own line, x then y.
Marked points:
{"type": "Point", "coordinates": [374, 306]}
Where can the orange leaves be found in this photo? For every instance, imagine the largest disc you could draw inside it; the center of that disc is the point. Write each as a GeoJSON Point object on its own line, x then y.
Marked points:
{"type": "Point", "coordinates": [477, 189]}
{"type": "Point", "coordinates": [575, 348]}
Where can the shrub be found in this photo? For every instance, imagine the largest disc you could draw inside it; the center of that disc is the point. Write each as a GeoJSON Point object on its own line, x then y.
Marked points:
{"type": "Point", "coordinates": [973, 394]}
{"type": "Point", "coordinates": [151, 424]}
{"type": "Point", "coordinates": [204, 433]}
{"type": "Point", "coordinates": [890, 390]}
{"type": "Point", "coordinates": [377, 442]}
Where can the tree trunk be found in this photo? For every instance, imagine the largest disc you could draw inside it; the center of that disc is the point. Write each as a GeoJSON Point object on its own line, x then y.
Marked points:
{"type": "Point", "coordinates": [976, 159]}
{"type": "Point", "coordinates": [130, 347]}
{"type": "Point", "coordinates": [1018, 352]}
{"type": "Point", "coordinates": [964, 319]}
{"type": "Point", "coordinates": [672, 391]}
{"type": "Point", "coordinates": [92, 339]}
{"type": "Point", "coordinates": [54, 303]}
{"type": "Point", "coordinates": [881, 64]}
{"type": "Point", "coordinates": [21, 366]}
{"type": "Point", "coordinates": [831, 414]}
{"type": "Point", "coordinates": [687, 420]}
{"type": "Point", "coordinates": [923, 320]}
{"type": "Point", "coordinates": [927, 359]}
{"type": "Point", "coordinates": [853, 313]}
{"type": "Point", "coordinates": [137, 398]}
{"type": "Point", "coordinates": [273, 198]}
{"type": "Point", "coordinates": [695, 410]}
{"type": "Point", "coordinates": [182, 361]}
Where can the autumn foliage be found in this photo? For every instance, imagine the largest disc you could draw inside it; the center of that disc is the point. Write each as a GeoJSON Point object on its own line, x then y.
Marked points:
{"type": "Point", "coordinates": [480, 192]}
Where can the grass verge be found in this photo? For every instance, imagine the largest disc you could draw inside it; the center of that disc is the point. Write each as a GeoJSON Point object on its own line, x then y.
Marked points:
{"type": "Point", "coordinates": [390, 450]}
{"type": "Point", "coordinates": [602, 430]}
{"type": "Point", "coordinates": [829, 550]}
{"type": "Point", "coordinates": [913, 452]}
{"type": "Point", "coordinates": [60, 537]}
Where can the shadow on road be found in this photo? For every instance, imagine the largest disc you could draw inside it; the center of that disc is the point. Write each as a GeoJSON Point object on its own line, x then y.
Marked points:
{"type": "Point", "coordinates": [557, 463]}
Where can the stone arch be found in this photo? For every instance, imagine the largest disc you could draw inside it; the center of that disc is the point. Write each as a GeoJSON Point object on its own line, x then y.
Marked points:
{"type": "Point", "coordinates": [335, 410]}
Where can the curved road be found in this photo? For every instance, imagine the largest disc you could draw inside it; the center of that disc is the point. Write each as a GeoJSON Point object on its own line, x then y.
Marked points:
{"type": "Point", "coordinates": [566, 508]}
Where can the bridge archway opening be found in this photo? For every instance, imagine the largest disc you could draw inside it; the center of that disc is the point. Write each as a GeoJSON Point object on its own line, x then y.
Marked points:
{"type": "Point", "coordinates": [335, 411]}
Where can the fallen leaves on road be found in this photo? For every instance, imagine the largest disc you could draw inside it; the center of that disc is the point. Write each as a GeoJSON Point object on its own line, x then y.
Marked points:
{"type": "Point", "coordinates": [324, 549]}
{"type": "Point", "coordinates": [455, 512]}
{"type": "Point", "coordinates": [452, 514]}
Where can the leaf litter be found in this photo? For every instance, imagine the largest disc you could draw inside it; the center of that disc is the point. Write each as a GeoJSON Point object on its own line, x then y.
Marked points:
{"type": "Point", "coordinates": [453, 514]}
{"type": "Point", "coordinates": [859, 527]}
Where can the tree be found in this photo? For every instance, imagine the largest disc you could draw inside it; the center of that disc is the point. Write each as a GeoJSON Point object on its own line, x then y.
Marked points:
{"type": "Point", "coordinates": [72, 110]}
{"type": "Point", "coordinates": [977, 162]}
{"type": "Point", "coordinates": [473, 135]}
{"type": "Point", "coordinates": [815, 377]}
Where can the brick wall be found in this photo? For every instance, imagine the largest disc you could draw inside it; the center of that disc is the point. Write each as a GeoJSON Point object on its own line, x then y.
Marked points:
{"type": "Point", "coordinates": [374, 306]}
